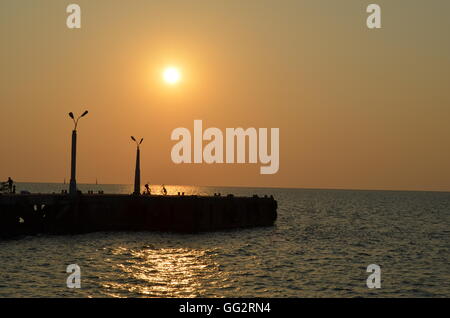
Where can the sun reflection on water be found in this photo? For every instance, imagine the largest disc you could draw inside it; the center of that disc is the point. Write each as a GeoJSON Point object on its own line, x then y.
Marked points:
{"type": "Point", "coordinates": [164, 272]}
{"type": "Point", "coordinates": [175, 189]}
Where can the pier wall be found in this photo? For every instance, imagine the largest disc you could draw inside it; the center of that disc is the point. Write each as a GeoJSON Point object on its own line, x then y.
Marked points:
{"type": "Point", "coordinates": [62, 214]}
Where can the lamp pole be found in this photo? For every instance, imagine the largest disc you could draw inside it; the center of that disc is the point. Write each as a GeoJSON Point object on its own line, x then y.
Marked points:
{"type": "Point", "coordinates": [73, 181]}
{"type": "Point", "coordinates": [137, 171]}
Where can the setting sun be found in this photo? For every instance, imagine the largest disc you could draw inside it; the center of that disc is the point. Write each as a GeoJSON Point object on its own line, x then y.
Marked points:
{"type": "Point", "coordinates": [171, 75]}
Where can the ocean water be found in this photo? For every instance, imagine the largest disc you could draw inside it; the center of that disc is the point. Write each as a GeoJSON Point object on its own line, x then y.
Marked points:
{"type": "Point", "coordinates": [321, 245]}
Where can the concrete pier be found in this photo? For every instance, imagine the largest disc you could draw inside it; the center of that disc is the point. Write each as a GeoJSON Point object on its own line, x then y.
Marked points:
{"type": "Point", "coordinates": [63, 214]}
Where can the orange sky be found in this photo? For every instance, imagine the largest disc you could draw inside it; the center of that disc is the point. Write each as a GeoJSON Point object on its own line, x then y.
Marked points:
{"type": "Point", "coordinates": [356, 108]}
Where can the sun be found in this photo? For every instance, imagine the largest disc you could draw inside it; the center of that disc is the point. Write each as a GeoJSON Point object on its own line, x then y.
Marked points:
{"type": "Point", "coordinates": [171, 75]}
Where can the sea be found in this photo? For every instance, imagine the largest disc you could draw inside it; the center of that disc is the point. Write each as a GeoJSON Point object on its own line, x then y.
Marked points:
{"type": "Point", "coordinates": [322, 245]}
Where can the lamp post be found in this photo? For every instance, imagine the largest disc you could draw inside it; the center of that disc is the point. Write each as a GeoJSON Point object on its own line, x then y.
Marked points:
{"type": "Point", "coordinates": [137, 171]}
{"type": "Point", "coordinates": [73, 182]}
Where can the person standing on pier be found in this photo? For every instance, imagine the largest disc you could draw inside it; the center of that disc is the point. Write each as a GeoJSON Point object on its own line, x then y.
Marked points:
{"type": "Point", "coordinates": [10, 184]}
{"type": "Point", "coordinates": [147, 189]}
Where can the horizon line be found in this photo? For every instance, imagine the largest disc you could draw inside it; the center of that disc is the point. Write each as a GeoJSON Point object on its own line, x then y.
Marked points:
{"type": "Point", "coordinates": [254, 187]}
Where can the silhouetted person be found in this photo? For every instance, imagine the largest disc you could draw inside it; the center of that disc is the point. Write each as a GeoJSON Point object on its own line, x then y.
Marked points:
{"type": "Point", "coordinates": [10, 184]}
{"type": "Point", "coordinates": [147, 189]}
{"type": "Point", "coordinates": [164, 191]}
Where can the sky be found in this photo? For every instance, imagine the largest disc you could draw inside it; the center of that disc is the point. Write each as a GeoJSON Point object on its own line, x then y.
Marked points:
{"type": "Point", "coordinates": [356, 108]}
